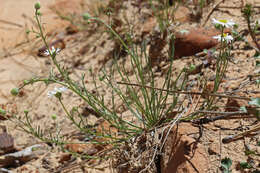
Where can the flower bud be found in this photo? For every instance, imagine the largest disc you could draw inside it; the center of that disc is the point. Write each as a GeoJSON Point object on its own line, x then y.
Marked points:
{"type": "Point", "coordinates": [15, 91]}
{"type": "Point", "coordinates": [58, 95]}
{"type": "Point", "coordinates": [25, 82]}
{"type": "Point", "coordinates": [27, 31]}
{"type": "Point", "coordinates": [37, 6]}
{"type": "Point", "coordinates": [86, 16]}
{"type": "Point", "coordinates": [39, 13]}
{"type": "Point", "coordinates": [54, 116]}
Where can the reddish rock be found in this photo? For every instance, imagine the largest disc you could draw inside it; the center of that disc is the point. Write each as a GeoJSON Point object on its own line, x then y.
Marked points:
{"type": "Point", "coordinates": [65, 157]}
{"type": "Point", "coordinates": [182, 154]}
{"type": "Point", "coordinates": [190, 42]}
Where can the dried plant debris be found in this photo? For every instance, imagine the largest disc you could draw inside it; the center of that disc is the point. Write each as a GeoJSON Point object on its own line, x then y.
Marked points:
{"type": "Point", "coordinates": [136, 155]}
{"type": "Point", "coordinates": [21, 157]}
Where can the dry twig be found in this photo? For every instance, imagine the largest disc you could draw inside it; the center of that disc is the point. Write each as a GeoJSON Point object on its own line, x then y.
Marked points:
{"type": "Point", "coordinates": [212, 10]}
{"type": "Point", "coordinates": [234, 7]}
{"type": "Point", "coordinates": [252, 34]}
{"type": "Point", "coordinates": [242, 134]}
{"type": "Point", "coordinates": [224, 95]}
{"type": "Point", "coordinates": [11, 23]}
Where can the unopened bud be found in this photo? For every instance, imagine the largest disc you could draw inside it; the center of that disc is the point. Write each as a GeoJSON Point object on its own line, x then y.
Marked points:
{"type": "Point", "coordinates": [86, 16]}
{"type": "Point", "coordinates": [15, 91]}
{"type": "Point", "coordinates": [54, 116]}
{"type": "Point", "coordinates": [37, 6]}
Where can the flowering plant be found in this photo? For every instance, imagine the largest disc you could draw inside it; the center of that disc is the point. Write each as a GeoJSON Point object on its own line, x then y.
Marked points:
{"type": "Point", "coordinates": [223, 23]}
{"type": "Point", "coordinates": [225, 37]}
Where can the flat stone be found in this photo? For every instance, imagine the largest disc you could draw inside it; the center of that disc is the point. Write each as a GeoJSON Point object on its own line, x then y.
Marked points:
{"type": "Point", "coordinates": [192, 41]}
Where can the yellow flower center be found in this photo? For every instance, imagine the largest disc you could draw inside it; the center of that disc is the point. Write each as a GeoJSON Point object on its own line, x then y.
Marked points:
{"type": "Point", "coordinates": [224, 35]}
{"type": "Point", "coordinates": [223, 21]}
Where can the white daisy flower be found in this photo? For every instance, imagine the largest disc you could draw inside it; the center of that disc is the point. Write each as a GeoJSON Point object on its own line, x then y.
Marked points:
{"type": "Point", "coordinates": [224, 23]}
{"type": "Point", "coordinates": [52, 51]}
{"type": "Point", "coordinates": [227, 38]}
{"type": "Point", "coordinates": [56, 90]}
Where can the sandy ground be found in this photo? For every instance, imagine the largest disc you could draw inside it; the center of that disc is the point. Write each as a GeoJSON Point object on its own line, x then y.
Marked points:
{"type": "Point", "coordinates": [15, 18]}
